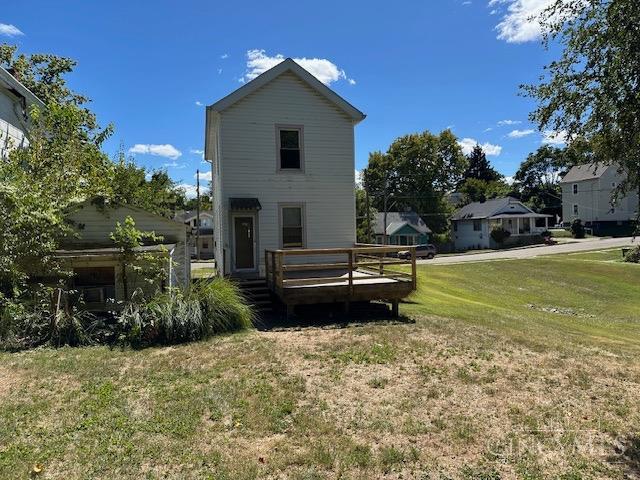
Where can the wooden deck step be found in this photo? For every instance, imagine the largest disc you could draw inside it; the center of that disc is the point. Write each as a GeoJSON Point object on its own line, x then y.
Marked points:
{"type": "Point", "coordinates": [257, 293]}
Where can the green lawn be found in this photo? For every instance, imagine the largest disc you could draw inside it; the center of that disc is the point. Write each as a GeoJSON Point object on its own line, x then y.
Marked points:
{"type": "Point", "coordinates": [511, 369]}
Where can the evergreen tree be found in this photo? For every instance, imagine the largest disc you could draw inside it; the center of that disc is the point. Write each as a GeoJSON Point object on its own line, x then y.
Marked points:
{"type": "Point", "coordinates": [479, 167]}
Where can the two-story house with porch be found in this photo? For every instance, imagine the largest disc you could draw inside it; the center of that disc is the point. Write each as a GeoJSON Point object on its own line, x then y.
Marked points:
{"type": "Point", "coordinates": [283, 169]}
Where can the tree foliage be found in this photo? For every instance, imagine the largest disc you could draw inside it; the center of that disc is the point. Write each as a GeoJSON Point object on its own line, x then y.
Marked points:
{"type": "Point", "coordinates": [416, 172]}
{"type": "Point", "coordinates": [479, 168]}
{"type": "Point", "coordinates": [135, 264]}
{"type": "Point", "coordinates": [62, 166]}
{"type": "Point", "coordinates": [592, 91]}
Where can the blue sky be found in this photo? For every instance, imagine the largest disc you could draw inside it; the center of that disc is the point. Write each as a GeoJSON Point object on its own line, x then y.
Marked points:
{"type": "Point", "coordinates": [410, 66]}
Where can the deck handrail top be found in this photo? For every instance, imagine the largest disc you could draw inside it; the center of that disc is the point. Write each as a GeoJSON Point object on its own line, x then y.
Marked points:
{"type": "Point", "coordinates": [345, 250]}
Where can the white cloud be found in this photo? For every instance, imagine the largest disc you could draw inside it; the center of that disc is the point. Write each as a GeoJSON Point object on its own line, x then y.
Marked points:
{"type": "Point", "coordinates": [190, 191]}
{"type": "Point", "coordinates": [358, 178]}
{"type": "Point", "coordinates": [324, 70]}
{"type": "Point", "coordinates": [520, 133]}
{"type": "Point", "coordinates": [195, 151]}
{"type": "Point", "coordinates": [199, 103]}
{"type": "Point", "coordinates": [224, 56]}
{"type": "Point", "coordinates": [521, 22]}
{"type": "Point", "coordinates": [204, 176]}
{"type": "Point", "coordinates": [466, 3]}
{"type": "Point", "coordinates": [467, 145]}
{"type": "Point", "coordinates": [488, 129]}
{"type": "Point", "coordinates": [554, 138]}
{"type": "Point", "coordinates": [219, 71]}
{"type": "Point", "coordinates": [9, 30]}
{"type": "Point", "coordinates": [173, 165]}
{"type": "Point", "coordinates": [509, 122]}
{"type": "Point", "coordinates": [166, 150]}
{"type": "Point", "coordinates": [509, 179]}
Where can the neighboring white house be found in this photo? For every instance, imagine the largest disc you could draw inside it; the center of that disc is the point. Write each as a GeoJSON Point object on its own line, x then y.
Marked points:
{"type": "Point", "coordinates": [203, 235]}
{"type": "Point", "coordinates": [282, 153]}
{"type": "Point", "coordinates": [473, 223]}
{"type": "Point", "coordinates": [15, 102]}
{"type": "Point", "coordinates": [586, 194]}
{"type": "Point", "coordinates": [96, 262]}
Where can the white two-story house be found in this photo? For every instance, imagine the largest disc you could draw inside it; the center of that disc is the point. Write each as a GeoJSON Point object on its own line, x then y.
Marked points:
{"type": "Point", "coordinates": [283, 169]}
{"type": "Point", "coordinates": [15, 102]}
{"type": "Point", "coordinates": [586, 195]}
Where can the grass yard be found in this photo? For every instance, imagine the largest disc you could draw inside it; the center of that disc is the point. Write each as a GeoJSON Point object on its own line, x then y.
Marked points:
{"type": "Point", "coordinates": [509, 369]}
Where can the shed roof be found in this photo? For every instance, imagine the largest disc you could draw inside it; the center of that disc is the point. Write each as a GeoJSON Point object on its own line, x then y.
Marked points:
{"type": "Point", "coordinates": [288, 65]}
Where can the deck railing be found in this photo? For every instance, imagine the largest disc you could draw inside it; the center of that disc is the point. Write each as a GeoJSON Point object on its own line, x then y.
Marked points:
{"type": "Point", "coordinates": [337, 265]}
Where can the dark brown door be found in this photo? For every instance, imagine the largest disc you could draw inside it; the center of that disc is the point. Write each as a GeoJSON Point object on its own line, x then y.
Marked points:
{"type": "Point", "coordinates": [244, 242]}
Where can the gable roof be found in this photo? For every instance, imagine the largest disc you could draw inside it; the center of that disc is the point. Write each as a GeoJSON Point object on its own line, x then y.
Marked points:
{"type": "Point", "coordinates": [13, 84]}
{"type": "Point", "coordinates": [288, 65]}
{"type": "Point", "coordinates": [589, 171]}
{"type": "Point", "coordinates": [397, 220]}
{"type": "Point", "coordinates": [479, 210]}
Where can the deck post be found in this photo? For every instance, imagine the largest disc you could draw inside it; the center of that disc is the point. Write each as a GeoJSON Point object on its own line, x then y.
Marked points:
{"type": "Point", "coordinates": [266, 266]}
{"type": "Point", "coordinates": [273, 270]}
{"type": "Point", "coordinates": [413, 267]}
{"type": "Point", "coordinates": [395, 308]}
{"type": "Point", "coordinates": [350, 272]}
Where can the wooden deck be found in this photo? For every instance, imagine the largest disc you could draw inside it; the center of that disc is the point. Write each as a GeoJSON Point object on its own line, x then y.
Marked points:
{"type": "Point", "coordinates": [345, 275]}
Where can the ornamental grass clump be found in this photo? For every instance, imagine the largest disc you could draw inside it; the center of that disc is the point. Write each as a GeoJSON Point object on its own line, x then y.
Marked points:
{"type": "Point", "coordinates": [205, 309]}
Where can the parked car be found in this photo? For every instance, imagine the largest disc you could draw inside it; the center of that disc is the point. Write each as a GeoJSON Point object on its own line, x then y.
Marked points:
{"type": "Point", "coordinates": [422, 251]}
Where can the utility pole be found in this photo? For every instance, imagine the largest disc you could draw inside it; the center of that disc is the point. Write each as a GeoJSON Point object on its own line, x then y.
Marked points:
{"type": "Point", "coordinates": [386, 196]}
{"type": "Point", "coordinates": [198, 214]}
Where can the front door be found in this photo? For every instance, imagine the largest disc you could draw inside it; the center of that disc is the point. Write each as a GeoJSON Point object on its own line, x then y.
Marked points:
{"type": "Point", "coordinates": [244, 232]}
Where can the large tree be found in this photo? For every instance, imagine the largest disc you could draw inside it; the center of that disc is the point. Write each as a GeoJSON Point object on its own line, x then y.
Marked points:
{"type": "Point", "coordinates": [592, 91]}
{"type": "Point", "coordinates": [538, 179]}
{"type": "Point", "coordinates": [416, 172]}
{"type": "Point", "coordinates": [479, 167]}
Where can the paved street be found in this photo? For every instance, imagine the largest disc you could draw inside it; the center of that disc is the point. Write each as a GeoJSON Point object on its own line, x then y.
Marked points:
{"type": "Point", "coordinates": [585, 245]}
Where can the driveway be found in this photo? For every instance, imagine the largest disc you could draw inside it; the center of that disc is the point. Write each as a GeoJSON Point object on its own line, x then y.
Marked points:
{"type": "Point", "coordinates": [530, 252]}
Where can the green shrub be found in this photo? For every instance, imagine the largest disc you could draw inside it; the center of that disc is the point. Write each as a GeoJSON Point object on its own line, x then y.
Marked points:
{"type": "Point", "coordinates": [577, 229]}
{"type": "Point", "coordinates": [45, 317]}
{"type": "Point", "coordinates": [633, 255]}
{"type": "Point", "coordinates": [500, 235]}
{"type": "Point", "coordinates": [205, 309]}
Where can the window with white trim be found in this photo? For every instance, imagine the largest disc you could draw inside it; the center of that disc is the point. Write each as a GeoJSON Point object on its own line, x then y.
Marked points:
{"type": "Point", "coordinates": [290, 152]}
{"type": "Point", "coordinates": [292, 224]}
{"type": "Point", "coordinates": [575, 188]}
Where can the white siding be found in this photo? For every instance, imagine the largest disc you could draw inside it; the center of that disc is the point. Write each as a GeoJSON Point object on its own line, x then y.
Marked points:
{"type": "Point", "coordinates": [249, 165]}
{"type": "Point", "coordinates": [12, 127]}
{"type": "Point", "coordinates": [594, 200]}
{"type": "Point", "coordinates": [466, 238]}
{"type": "Point", "coordinates": [95, 225]}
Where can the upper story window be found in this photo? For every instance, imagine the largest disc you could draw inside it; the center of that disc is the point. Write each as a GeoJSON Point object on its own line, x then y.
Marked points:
{"type": "Point", "coordinates": [290, 147]}
{"type": "Point", "coordinates": [575, 188]}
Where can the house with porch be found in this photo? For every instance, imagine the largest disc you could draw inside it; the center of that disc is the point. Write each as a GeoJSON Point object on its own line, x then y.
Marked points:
{"type": "Point", "coordinates": [586, 195]}
{"type": "Point", "coordinates": [402, 228]}
{"type": "Point", "coordinates": [472, 224]}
